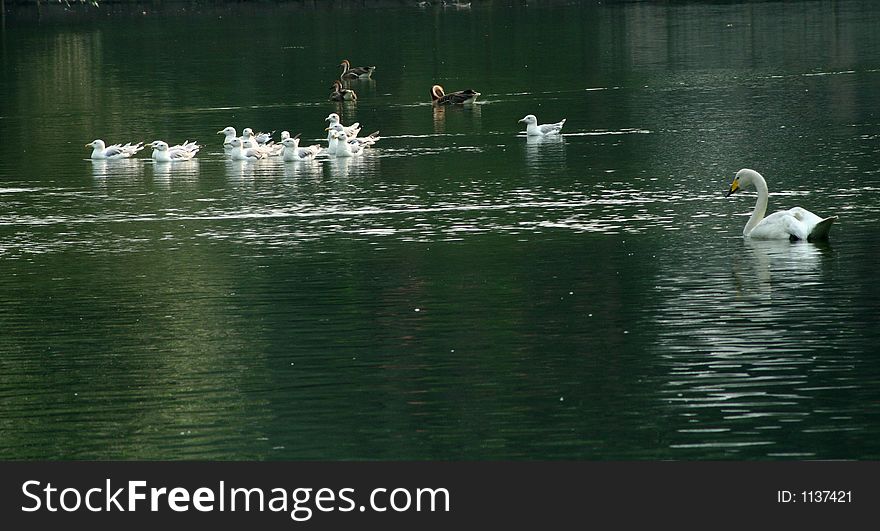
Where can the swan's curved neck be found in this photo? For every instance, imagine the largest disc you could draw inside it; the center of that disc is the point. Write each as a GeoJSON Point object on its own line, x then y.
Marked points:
{"type": "Point", "coordinates": [760, 205]}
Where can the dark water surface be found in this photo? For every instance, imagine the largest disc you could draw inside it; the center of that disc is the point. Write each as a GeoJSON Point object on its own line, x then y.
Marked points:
{"type": "Point", "coordinates": [459, 292]}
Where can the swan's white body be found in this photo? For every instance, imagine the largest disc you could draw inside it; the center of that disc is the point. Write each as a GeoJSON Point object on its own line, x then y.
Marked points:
{"type": "Point", "coordinates": [100, 151]}
{"type": "Point", "coordinates": [533, 129]}
{"type": "Point", "coordinates": [793, 224]}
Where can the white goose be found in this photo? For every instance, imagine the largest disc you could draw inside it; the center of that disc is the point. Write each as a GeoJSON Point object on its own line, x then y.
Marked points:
{"type": "Point", "coordinates": [793, 224]}
{"type": "Point", "coordinates": [533, 129]}
{"type": "Point", "coordinates": [100, 151]}
{"type": "Point", "coordinates": [162, 152]}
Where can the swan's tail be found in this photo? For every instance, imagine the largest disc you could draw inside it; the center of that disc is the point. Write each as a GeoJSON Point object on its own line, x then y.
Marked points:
{"type": "Point", "coordinates": [821, 230]}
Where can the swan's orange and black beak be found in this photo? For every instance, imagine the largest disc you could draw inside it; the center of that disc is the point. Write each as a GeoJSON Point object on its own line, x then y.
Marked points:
{"type": "Point", "coordinates": [734, 186]}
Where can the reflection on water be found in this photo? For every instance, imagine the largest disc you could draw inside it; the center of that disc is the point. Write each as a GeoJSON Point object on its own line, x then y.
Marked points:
{"type": "Point", "coordinates": [545, 153]}
{"type": "Point", "coordinates": [459, 290]}
{"type": "Point", "coordinates": [165, 172]}
{"type": "Point", "coordinates": [750, 349]}
{"type": "Point", "coordinates": [105, 170]}
{"type": "Point", "coordinates": [800, 262]}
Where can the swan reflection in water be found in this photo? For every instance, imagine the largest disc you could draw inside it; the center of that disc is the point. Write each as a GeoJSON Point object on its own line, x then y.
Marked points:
{"type": "Point", "coordinates": [779, 262]}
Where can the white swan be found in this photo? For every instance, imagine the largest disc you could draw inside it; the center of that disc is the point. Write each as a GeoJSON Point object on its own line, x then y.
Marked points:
{"type": "Point", "coordinates": [533, 129]}
{"type": "Point", "coordinates": [794, 224]}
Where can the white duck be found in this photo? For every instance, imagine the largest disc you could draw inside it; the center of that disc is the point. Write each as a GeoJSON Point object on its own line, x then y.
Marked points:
{"type": "Point", "coordinates": [793, 224]}
{"type": "Point", "coordinates": [162, 152]}
{"type": "Point", "coordinates": [241, 153]}
{"type": "Point", "coordinates": [533, 129]}
{"type": "Point", "coordinates": [100, 151]}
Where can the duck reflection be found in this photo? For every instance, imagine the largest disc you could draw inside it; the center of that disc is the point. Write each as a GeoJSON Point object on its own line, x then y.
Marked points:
{"type": "Point", "coordinates": [440, 115]}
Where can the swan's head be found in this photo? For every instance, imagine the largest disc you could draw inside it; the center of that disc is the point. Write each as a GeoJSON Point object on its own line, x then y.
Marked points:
{"type": "Point", "coordinates": [437, 92]}
{"type": "Point", "coordinates": [530, 119]}
{"type": "Point", "coordinates": [743, 179]}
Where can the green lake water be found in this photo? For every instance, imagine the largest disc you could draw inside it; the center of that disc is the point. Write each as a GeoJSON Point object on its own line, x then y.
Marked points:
{"type": "Point", "coordinates": [459, 291]}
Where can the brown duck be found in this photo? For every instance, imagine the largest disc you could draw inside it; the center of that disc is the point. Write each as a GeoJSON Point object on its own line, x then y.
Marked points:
{"type": "Point", "coordinates": [439, 96]}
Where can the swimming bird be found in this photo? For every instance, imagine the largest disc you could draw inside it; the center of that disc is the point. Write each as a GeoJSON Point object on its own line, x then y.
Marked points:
{"type": "Point", "coordinates": [345, 148]}
{"type": "Point", "coordinates": [533, 129]}
{"type": "Point", "coordinates": [440, 97]}
{"type": "Point", "coordinates": [350, 130]}
{"type": "Point", "coordinates": [793, 224]}
{"type": "Point", "coordinates": [293, 152]}
{"type": "Point", "coordinates": [113, 151]}
{"type": "Point", "coordinates": [162, 152]}
{"type": "Point", "coordinates": [339, 93]}
{"type": "Point", "coordinates": [230, 134]}
{"type": "Point", "coordinates": [357, 72]}
{"type": "Point", "coordinates": [239, 152]}
{"type": "Point", "coordinates": [264, 138]}
{"type": "Point", "coordinates": [363, 142]}
{"type": "Point", "coordinates": [269, 150]}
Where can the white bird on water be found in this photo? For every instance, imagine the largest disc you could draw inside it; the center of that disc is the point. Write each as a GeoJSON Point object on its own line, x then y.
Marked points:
{"type": "Point", "coordinates": [363, 142]}
{"type": "Point", "coordinates": [350, 130]}
{"type": "Point", "coordinates": [793, 224]}
{"type": "Point", "coordinates": [162, 152]}
{"type": "Point", "coordinates": [230, 133]}
{"type": "Point", "coordinates": [533, 129]}
{"type": "Point", "coordinates": [100, 151]}
{"type": "Point", "coordinates": [292, 151]}
{"type": "Point", "coordinates": [344, 148]}
{"type": "Point", "coordinates": [240, 153]}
